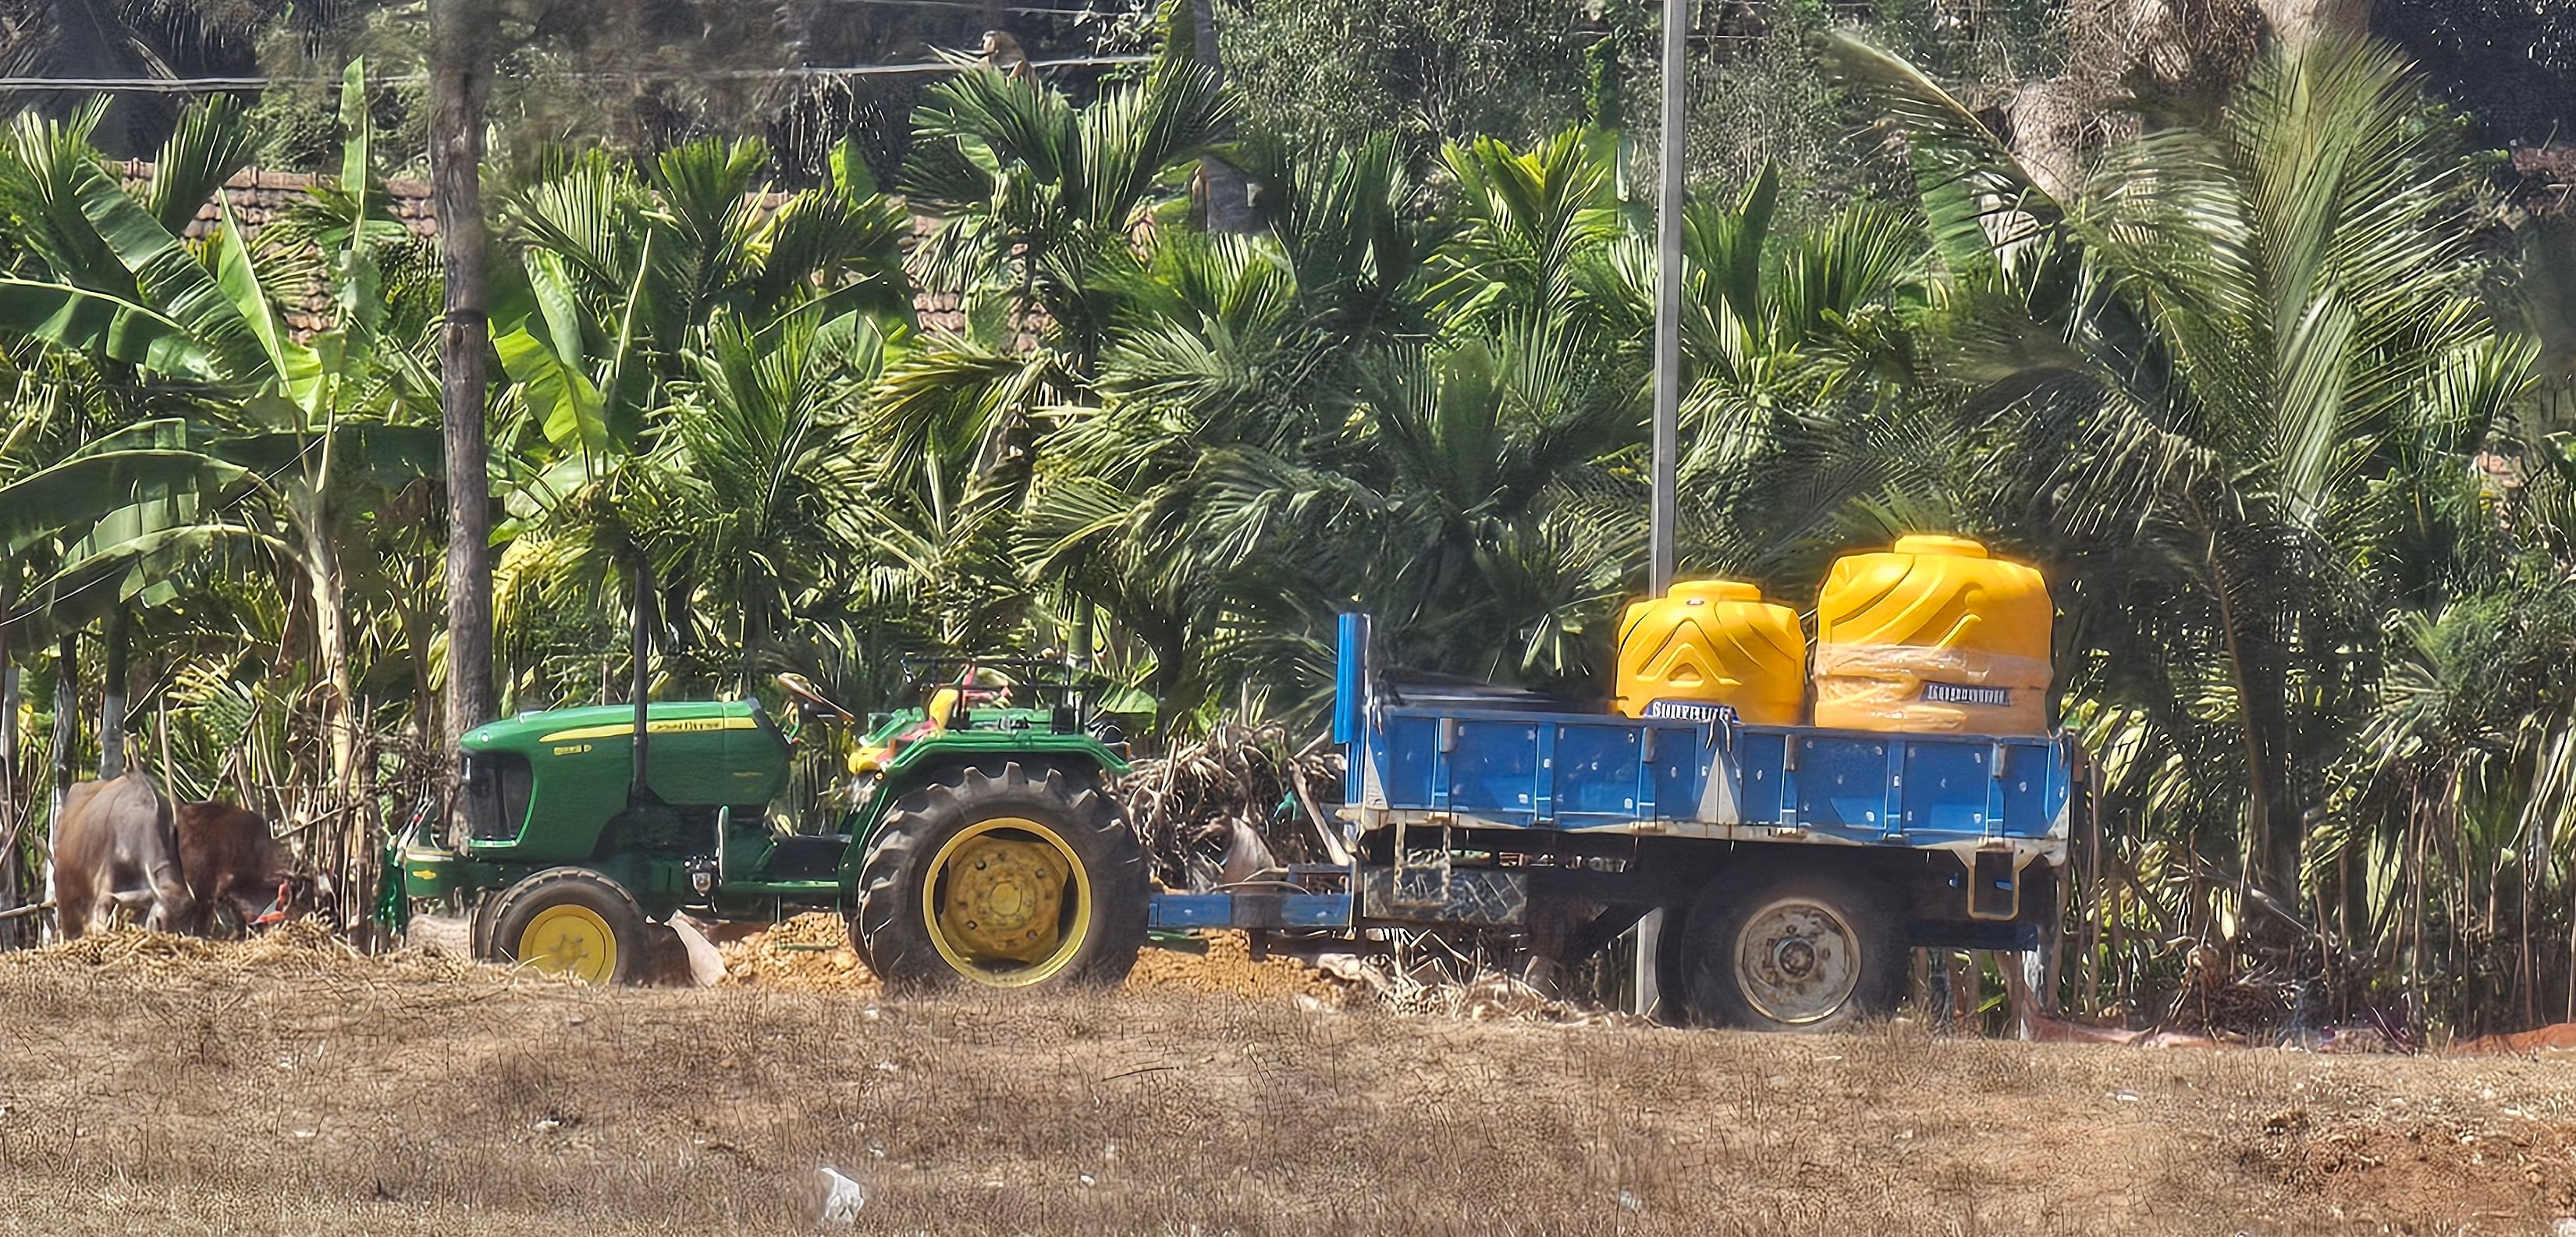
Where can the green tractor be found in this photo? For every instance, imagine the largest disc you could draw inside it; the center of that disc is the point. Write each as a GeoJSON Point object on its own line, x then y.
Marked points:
{"type": "Point", "coordinates": [969, 837]}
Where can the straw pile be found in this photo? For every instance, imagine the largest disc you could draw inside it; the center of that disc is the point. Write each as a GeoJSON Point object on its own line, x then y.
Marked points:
{"type": "Point", "coordinates": [811, 953]}
{"type": "Point", "coordinates": [301, 947]}
{"type": "Point", "coordinates": [1426, 974]}
{"type": "Point", "coordinates": [1230, 805]}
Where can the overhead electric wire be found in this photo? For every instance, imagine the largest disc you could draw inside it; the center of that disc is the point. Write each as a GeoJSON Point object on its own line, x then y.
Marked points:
{"type": "Point", "coordinates": [1032, 10]}
{"type": "Point", "coordinates": [211, 85]}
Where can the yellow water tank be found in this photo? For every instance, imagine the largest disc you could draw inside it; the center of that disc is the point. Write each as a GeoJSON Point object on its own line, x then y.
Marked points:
{"type": "Point", "coordinates": [1713, 642]}
{"type": "Point", "coordinates": [1933, 636]}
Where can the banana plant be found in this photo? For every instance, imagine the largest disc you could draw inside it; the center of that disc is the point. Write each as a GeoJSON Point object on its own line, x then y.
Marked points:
{"type": "Point", "coordinates": [282, 441]}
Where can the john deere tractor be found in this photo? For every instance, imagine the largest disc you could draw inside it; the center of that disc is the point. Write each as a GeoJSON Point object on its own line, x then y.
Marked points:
{"type": "Point", "coordinates": [967, 837]}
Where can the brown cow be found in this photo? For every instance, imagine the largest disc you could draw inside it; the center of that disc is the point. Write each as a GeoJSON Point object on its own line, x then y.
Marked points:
{"type": "Point", "coordinates": [116, 851]}
{"type": "Point", "coordinates": [232, 863]}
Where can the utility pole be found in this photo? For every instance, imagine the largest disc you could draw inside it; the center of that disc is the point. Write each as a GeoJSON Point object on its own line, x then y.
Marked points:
{"type": "Point", "coordinates": [459, 40]}
{"type": "Point", "coordinates": [1662, 511]}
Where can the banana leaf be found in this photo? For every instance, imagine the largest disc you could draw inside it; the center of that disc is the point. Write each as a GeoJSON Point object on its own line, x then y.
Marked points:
{"type": "Point", "coordinates": [85, 489]}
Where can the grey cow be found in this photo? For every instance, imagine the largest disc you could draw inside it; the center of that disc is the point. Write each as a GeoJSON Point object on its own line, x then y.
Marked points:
{"type": "Point", "coordinates": [116, 848]}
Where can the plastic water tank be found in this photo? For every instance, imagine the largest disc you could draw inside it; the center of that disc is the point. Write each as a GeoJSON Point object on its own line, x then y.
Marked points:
{"type": "Point", "coordinates": [1712, 642]}
{"type": "Point", "coordinates": [1933, 636]}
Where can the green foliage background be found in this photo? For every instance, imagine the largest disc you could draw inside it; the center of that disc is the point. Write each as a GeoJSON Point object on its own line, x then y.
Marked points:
{"type": "Point", "coordinates": [2272, 379]}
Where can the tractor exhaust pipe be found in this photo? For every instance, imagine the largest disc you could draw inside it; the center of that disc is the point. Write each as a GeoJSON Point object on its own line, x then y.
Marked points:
{"type": "Point", "coordinates": [640, 648]}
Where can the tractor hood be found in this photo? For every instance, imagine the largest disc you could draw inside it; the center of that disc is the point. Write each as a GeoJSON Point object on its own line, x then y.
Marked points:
{"type": "Point", "coordinates": [541, 786]}
{"type": "Point", "coordinates": [531, 733]}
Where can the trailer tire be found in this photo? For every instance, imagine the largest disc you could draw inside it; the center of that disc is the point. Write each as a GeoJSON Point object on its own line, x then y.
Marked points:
{"type": "Point", "coordinates": [572, 921]}
{"type": "Point", "coordinates": [1777, 945]}
{"type": "Point", "coordinates": [1009, 876]}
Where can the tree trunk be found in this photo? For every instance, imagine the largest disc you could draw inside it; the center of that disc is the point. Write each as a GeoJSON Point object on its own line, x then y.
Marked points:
{"type": "Point", "coordinates": [11, 845]}
{"type": "Point", "coordinates": [66, 717]}
{"type": "Point", "coordinates": [2298, 21]}
{"type": "Point", "coordinates": [66, 733]}
{"type": "Point", "coordinates": [2272, 832]}
{"type": "Point", "coordinates": [639, 649]}
{"type": "Point", "coordinates": [1228, 194]}
{"type": "Point", "coordinates": [459, 30]}
{"type": "Point", "coordinates": [112, 695]}
{"type": "Point", "coordinates": [328, 585]}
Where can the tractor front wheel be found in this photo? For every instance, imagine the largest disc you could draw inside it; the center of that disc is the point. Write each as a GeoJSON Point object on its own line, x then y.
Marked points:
{"type": "Point", "coordinates": [572, 921]}
{"type": "Point", "coordinates": [481, 942]}
{"type": "Point", "coordinates": [1009, 877]}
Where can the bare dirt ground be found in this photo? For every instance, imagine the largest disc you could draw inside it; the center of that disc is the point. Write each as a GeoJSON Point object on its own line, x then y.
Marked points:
{"type": "Point", "coordinates": [150, 1086]}
{"type": "Point", "coordinates": [811, 953]}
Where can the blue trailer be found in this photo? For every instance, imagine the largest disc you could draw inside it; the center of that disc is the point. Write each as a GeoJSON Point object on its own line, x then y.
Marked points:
{"type": "Point", "coordinates": [1796, 867]}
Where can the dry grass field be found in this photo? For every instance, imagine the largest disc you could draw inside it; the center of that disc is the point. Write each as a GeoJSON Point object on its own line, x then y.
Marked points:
{"type": "Point", "coordinates": [283, 1091]}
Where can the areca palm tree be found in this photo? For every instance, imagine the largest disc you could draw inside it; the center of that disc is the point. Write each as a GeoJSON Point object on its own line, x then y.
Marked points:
{"type": "Point", "coordinates": [634, 278]}
{"type": "Point", "coordinates": [1039, 198]}
{"type": "Point", "coordinates": [2452, 853]}
{"type": "Point", "coordinates": [1282, 423]}
{"type": "Point", "coordinates": [1041, 203]}
{"type": "Point", "coordinates": [757, 489]}
{"type": "Point", "coordinates": [1533, 228]}
{"type": "Point", "coordinates": [1508, 500]}
{"type": "Point", "coordinates": [1802, 411]}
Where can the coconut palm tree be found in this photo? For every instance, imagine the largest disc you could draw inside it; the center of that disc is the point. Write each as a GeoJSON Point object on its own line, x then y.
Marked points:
{"type": "Point", "coordinates": [2226, 372]}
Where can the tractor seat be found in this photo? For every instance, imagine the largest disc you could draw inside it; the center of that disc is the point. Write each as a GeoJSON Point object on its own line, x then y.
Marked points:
{"type": "Point", "coordinates": [806, 856]}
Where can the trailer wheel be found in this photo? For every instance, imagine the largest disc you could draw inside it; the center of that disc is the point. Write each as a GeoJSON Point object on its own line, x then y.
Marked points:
{"type": "Point", "coordinates": [1010, 877]}
{"type": "Point", "coordinates": [572, 921]}
{"type": "Point", "coordinates": [1776, 946]}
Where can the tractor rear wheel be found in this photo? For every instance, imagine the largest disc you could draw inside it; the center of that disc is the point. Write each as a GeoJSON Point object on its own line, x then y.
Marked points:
{"type": "Point", "coordinates": [858, 941]}
{"type": "Point", "coordinates": [1010, 877]}
{"type": "Point", "coordinates": [1785, 946]}
{"type": "Point", "coordinates": [572, 921]}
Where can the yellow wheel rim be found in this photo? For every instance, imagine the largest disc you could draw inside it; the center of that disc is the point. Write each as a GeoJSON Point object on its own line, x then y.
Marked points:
{"type": "Point", "coordinates": [570, 940]}
{"type": "Point", "coordinates": [1007, 902]}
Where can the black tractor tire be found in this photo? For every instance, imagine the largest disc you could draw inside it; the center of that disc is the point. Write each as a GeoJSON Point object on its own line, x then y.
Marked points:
{"type": "Point", "coordinates": [1100, 936]}
{"type": "Point", "coordinates": [481, 940]}
{"type": "Point", "coordinates": [1791, 945]}
{"type": "Point", "coordinates": [859, 940]}
{"type": "Point", "coordinates": [591, 902]}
